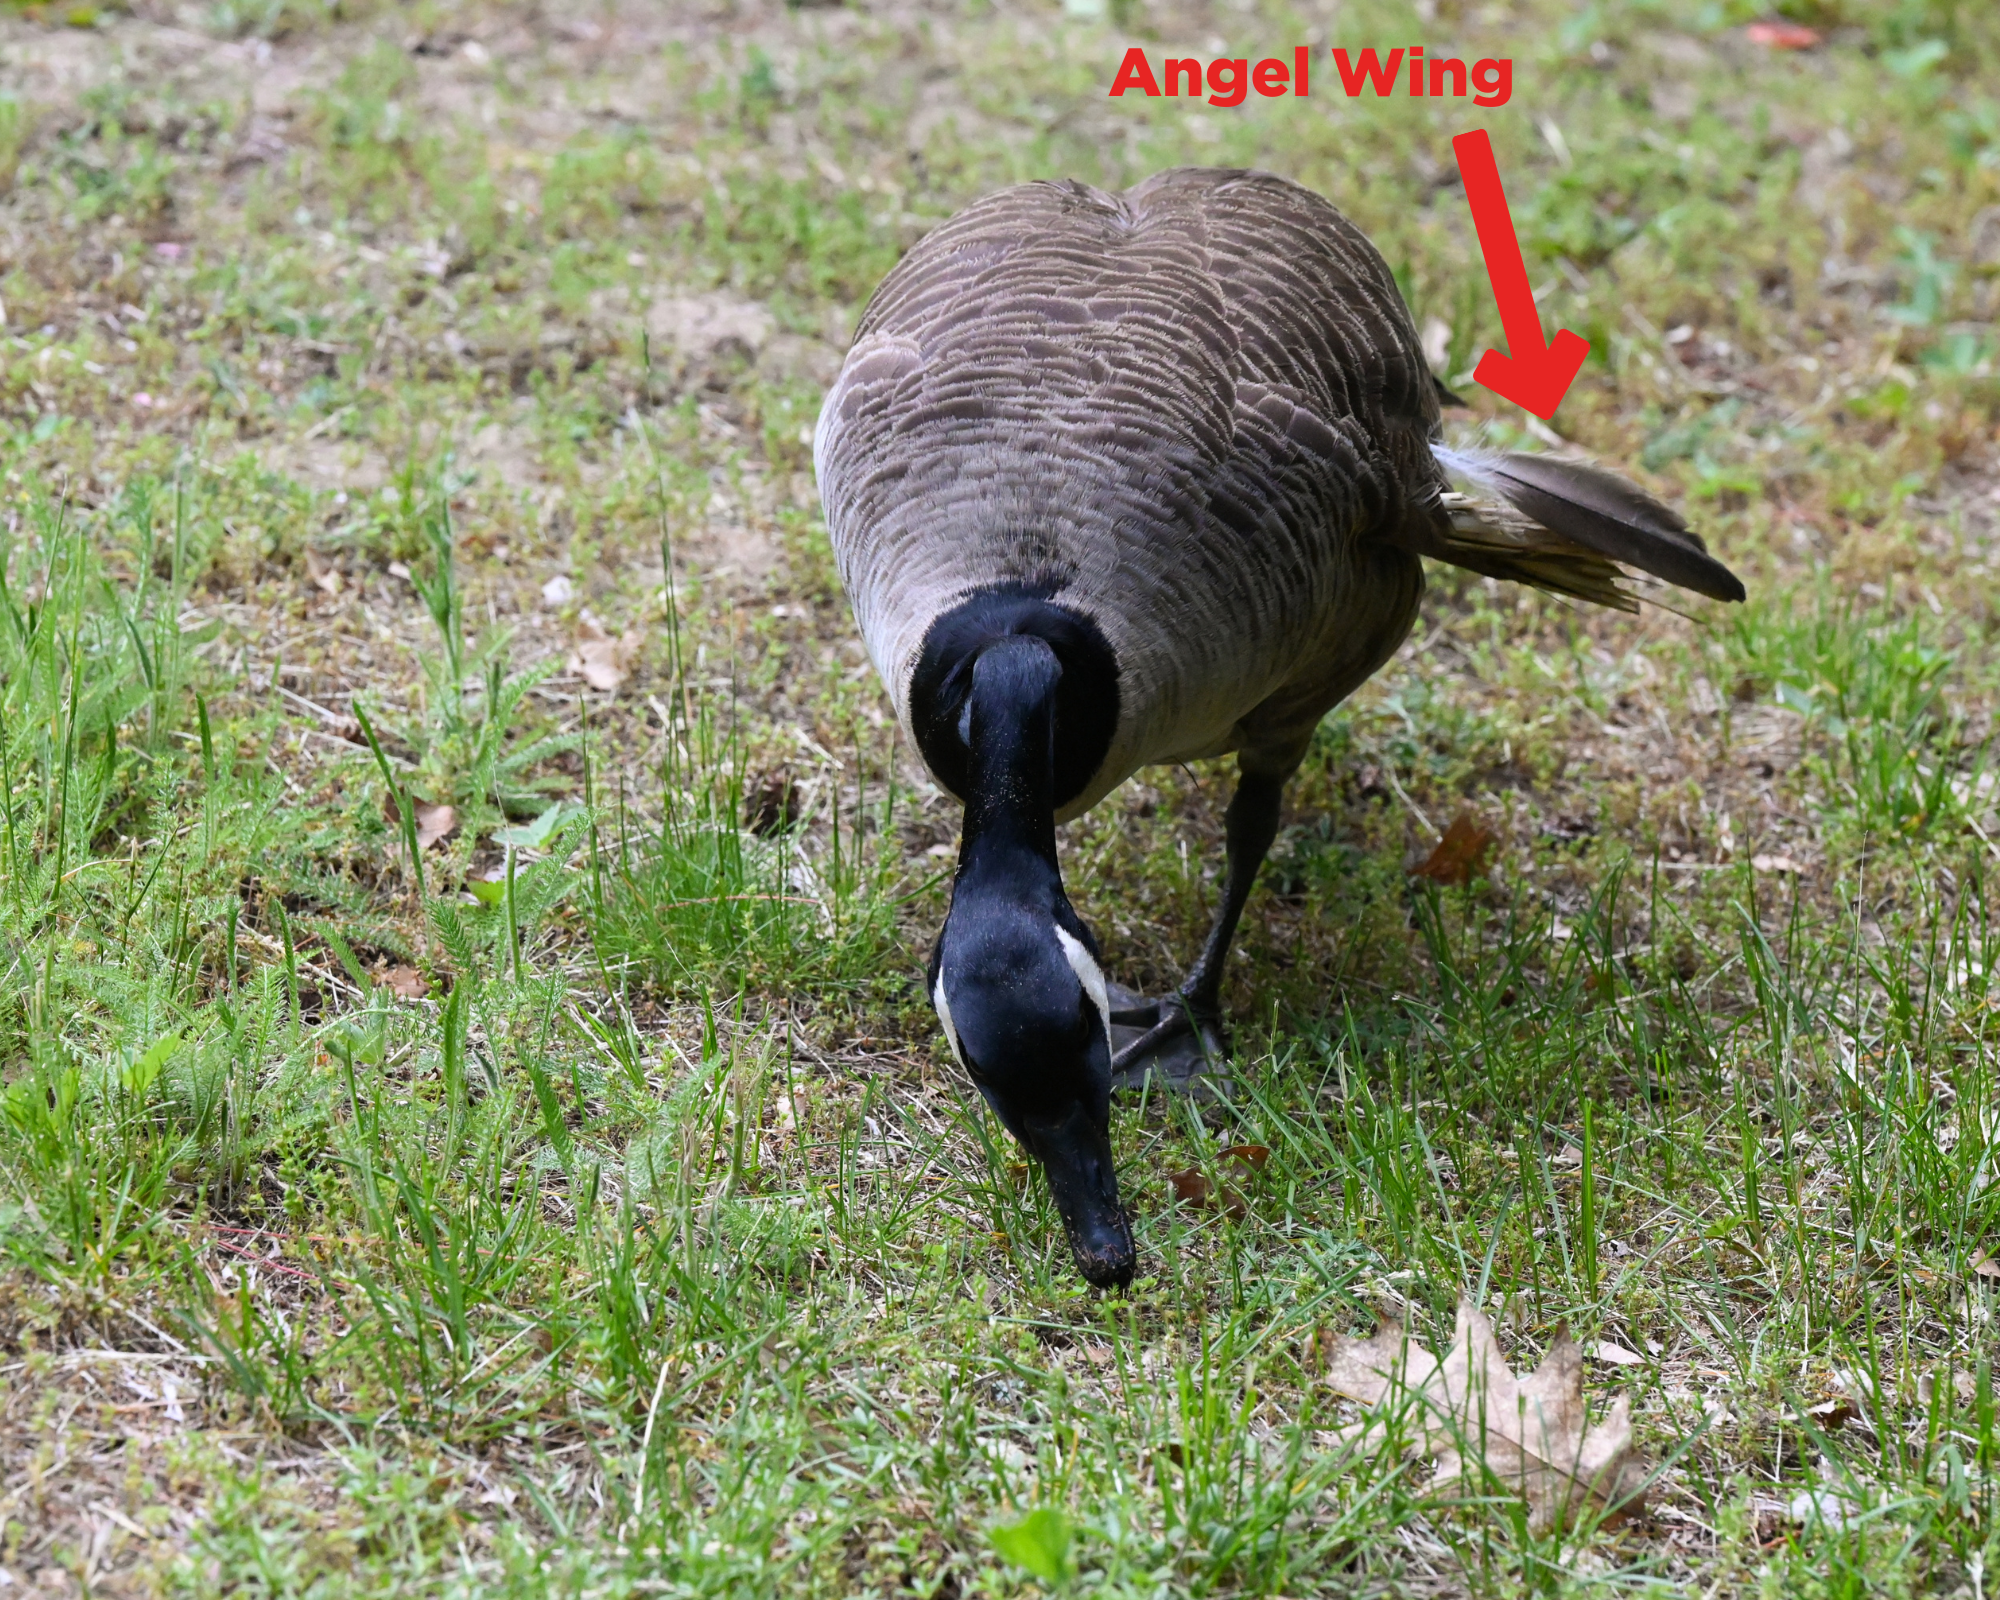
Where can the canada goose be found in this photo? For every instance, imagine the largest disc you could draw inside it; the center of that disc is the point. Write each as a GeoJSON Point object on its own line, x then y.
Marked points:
{"type": "Point", "coordinates": [1115, 479]}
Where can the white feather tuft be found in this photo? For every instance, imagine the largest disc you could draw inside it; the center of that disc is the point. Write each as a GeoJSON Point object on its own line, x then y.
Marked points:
{"type": "Point", "coordinates": [944, 1016]}
{"type": "Point", "coordinates": [1474, 466]}
{"type": "Point", "coordinates": [1088, 973]}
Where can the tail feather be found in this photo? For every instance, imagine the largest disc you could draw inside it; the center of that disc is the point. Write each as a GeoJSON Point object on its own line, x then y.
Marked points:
{"type": "Point", "coordinates": [1566, 526]}
{"type": "Point", "coordinates": [1501, 543]}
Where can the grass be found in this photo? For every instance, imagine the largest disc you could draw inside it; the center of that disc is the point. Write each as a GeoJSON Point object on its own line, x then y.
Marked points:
{"type": "Point", "coordinates": [408, 408]}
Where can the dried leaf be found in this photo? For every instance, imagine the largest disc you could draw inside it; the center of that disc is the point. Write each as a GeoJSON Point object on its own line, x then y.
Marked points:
{"type": "Point", "coordinates": [435, 823]}
{"type": "Point", "coordinates": [1963, 1384]}
{"type": "Point", "coordinates": [1984, 1266]}
{"type": "Point", "coordinates": [1782, 35]}
{"type": "Point", "coordinates": [322, 572]}
{"type": "Point", "coordinates": [407, 982]}
{"type": "Point", "coordinates": [1456, 860]}
{"type": "Point", "coordinates": [1252, 1156]}
{"type": "Point", "coordinates": [600, 662]}
{"type": "Point", "coordinates": [1533, 1433]}
{"type": "Point", "coordinates": [1833, 1414]}
{"type": "Point", "coordinates": [602, 659]}
{"type": "Point", "coordinates": [1616, 1354]}
{"type": "Point", "coordinates": [1196, 1192]}
{"type": "Point", "coordinates": [1190, 1187]}
{"type": "Point", "coordinates": [1776, 864]}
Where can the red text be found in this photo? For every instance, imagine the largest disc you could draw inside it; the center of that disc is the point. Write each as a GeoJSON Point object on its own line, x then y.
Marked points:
{"type": "Point", "coordinates": [1228, 82]}
{"type": "Point", "coordinates": [1492, 79]}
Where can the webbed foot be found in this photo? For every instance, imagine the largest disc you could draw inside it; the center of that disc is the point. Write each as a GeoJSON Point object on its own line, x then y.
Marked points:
{"type": "Point", "coordinates": [1170, 1043]}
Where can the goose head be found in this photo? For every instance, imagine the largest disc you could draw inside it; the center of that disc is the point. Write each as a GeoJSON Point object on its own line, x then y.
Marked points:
{"type": "Point", "coordinates": [1022, 1002]}
{"type": "Point", "coordinates": [1015, 978]}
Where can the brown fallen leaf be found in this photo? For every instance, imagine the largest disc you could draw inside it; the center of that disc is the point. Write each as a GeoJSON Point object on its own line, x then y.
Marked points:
{"type": "Point", "coordinates": [1198, 1194]}
{"type": "Point", "coordinates": [600, 658]}
{"type": "Point", "coordinates": [324, 574]}
{"type": "Point", "coordinates": [435, 823]}
{"type": "Point", "coordinates": [1782, 35]}
{"type": "Point", "coordinates": [1963, 1384]}
{"type": "Point", "coordinates": [1533, 1434]}
{"type": "Point", "coordinates": [1984, 1266]}
{"type": "Point", "coordinates": [1190, 1187]}
{"type": "Point", "coordinates": [1833, 1414]}
{"type": "Point", "coordinates": [1252, 1156]}
{"type": "Point", "coordinates": [599, 662]}
{"type": "Point", "coordinates": [1616, 1355]}
{"type": "Point", "coordinates": [407, 982]}
{"type": "Point", "coordinates": [1456, 860]}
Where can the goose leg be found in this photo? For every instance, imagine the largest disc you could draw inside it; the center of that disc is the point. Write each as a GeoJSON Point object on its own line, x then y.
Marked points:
{"type": "Point", "coordinates": [1181, 1036]}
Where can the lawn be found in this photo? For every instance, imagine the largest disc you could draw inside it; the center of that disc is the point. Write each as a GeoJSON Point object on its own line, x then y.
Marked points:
{"type": "Point", "coordinates": [470, 1121]}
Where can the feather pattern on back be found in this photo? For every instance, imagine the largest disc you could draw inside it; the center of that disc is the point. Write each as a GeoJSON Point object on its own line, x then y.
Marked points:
{"type": "Point", "coordinates": [1198, 413]}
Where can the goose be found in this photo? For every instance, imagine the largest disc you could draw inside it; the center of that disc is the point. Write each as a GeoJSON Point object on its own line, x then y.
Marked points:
{"type": "Point", "coordinates": [1114, 479]}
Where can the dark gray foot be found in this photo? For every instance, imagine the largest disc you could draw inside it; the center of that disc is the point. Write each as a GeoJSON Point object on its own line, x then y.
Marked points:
{"type": "Point", "coordinates": [1164, 1043]}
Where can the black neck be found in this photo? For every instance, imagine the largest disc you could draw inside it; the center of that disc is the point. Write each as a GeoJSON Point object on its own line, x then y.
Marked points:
{"type": "Point", "coordinates": [984, 630]}
{"type": "Point", "coordinates": [1010, 826]}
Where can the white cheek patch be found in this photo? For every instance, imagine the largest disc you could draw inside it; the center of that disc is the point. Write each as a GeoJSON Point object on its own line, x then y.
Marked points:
{"type": "Point", "coordinates": [1088, 973]}
{"type": "Point", "coordinates": [944, 1016]}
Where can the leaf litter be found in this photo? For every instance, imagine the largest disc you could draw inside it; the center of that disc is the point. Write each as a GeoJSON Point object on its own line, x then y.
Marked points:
{"type": "Point", "coordinates": [435, 823]}
{"type": "Point", "coordinates": [1477, 1418]}
{"type": "Point", "coordinates": [602, 659]}
{"type": "Point", "coordinates": [404, 981]}
{"type": "Point", "coordinates": [1459, 855]}
{"type": "Point", "coordinates": [1194, 1189]}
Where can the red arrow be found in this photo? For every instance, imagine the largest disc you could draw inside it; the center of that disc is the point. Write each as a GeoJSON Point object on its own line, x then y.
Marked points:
{"type": "Point", "coordinates": [1536, 376]}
